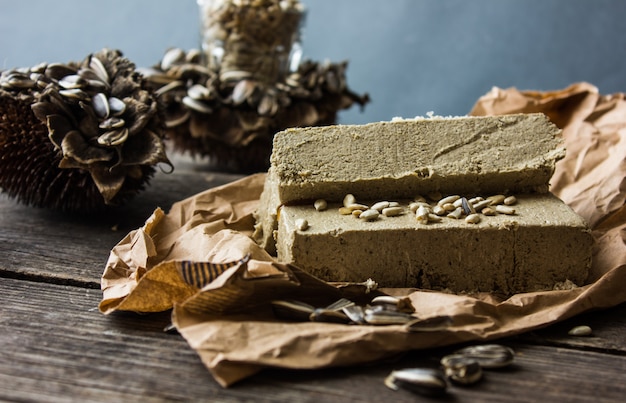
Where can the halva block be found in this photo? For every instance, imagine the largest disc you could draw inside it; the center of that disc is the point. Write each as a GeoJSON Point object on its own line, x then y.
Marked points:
{"type": "Point", "coordinates": [539, 244]}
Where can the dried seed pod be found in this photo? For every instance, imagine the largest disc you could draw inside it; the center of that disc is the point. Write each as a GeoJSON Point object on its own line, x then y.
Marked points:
{"type": "Point", "coordinates": [423, 381]}
{"type": "Point", "coordinates": [91, 162]}
{"type": "Point", "coordinates": [489, 355]}
{"type": "Point", "coordinates": [461, 369]}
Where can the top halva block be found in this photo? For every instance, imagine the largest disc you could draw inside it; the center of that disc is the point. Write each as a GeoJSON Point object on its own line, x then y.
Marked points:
{"type": "Point", "coordinates": [495, 154]}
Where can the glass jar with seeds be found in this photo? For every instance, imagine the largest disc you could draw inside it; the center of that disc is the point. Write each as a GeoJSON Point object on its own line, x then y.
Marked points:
{"type": "Point", "coordinates": [251, 39]}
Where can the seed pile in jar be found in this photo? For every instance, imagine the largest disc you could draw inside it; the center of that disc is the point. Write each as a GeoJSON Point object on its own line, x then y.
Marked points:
{"type": "Point", "coordinates": [382, 310]}
{"type": "Point", "coordinates": [250, 36]}
{"type": "Point", "coordinates": [452, 207]}
{"type": "Point", "coordinates": [463, 367]}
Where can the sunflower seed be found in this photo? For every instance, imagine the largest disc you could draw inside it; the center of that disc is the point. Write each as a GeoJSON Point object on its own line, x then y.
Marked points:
{"type": "Point", "coordinates": [355, 313]}
{"type": "Point", "coordinates": [505, 209]}
{"type": "Point", "coordinates": [292, 310]}
{"type": "Point", "coordinates": [328, 315]}
{"type": "Point", "coordinates": [112, 123]}
{"type": "Point", "coordinates": [72, 82]}
{"type": "Point", "coordinates": [449, 199]}
{"type": "Point", "coordinates": [113, 137]}
{"type": "Point", "coordinates": [369, 215]}
{"type": "Point", "coordinates": [392, 211]}
{"type": "Point", "coordinates": [489, 355]}
{"type": "Point", "coordinates": [472, 218]}
{"type": "Point", "coordinates": [509, 201]}
{"type": "Point", "coordinates": [380, 206]}
{"type": "Point", "coordinates": [349, 199]}
{"type": "Point", "coordinates": [385, 317]}
{"type": "Point", "coordinates": [171, 57]}
{"type": "Point", "coordinates": [423, 381]}
{"type": "Point", "coordinates": [320, 205]}
{"type": "Point", "coordinates": [457, 213]}
{"type": "Point", "coordinates": [199, 92]}
{"type": "Point", "coordinates": [75, 93]}
{"type": "Point", "coordinates": [496, 199]}
{"type": "Point", "coordinates": [461, 369]}
{"type": "Point", "coordinates": [580, 331]}
{"type": "Point", "coordinates": [96, 65]}
{"type": "Point", "coordinates": [100, 105]}
{"type": "Point", "coordinates": [196, 105]}
{"type": "Point", "coordinates": [422, 215]}
{"type": "Point", "coordinates": [243, 91]}
{"type": "Point", "coordinates": [467, 207]}
{"type": "Point", "coordinates": [117, 107]}
{"type": "Point", "coordinates": [302, 224]}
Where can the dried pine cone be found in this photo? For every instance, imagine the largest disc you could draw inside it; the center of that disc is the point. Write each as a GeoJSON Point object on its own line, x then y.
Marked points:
{"type": "Point", "coordinates": [233, 122]}
{"type": "Point", "coordinates": [78, 137]}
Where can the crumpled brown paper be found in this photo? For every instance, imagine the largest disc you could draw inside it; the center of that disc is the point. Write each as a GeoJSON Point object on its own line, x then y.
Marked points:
{"type": "Point", "coordinates": [229, 323]}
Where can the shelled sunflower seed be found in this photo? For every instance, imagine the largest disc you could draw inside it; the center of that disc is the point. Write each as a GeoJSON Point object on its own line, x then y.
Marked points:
{"type": "Point", "coordinates": [424, 381]}
{"type": "Point", "coordinates": [453, 207]}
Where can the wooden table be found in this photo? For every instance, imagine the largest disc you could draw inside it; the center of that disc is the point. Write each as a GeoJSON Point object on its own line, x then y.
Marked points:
{"type": "Point", "coordinates": [56, 346]}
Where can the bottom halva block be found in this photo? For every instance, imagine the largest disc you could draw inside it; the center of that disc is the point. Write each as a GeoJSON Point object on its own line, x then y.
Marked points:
{"type": "Point", "coordinates": [543, 246]}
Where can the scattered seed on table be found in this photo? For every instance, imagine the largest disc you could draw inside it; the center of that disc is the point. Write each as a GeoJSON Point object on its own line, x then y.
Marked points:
{"type": "Point", "coordinates": [580, 331]}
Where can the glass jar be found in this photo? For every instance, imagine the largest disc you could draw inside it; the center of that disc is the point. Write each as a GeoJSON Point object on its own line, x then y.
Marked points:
{"type": "Point", "coordinates": [251, 39]}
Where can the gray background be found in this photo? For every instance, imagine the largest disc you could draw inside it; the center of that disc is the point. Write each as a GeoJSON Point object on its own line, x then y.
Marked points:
{"type": "Point", "coordinates": [411, 56]}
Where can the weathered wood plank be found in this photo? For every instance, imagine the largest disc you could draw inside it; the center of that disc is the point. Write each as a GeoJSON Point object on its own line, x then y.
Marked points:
{"type": "Point", "coordinates": [56, 346]}
{"type": "Point", "coordinates": [608, 335]}
{"type": "Point", "coordinates": [74, 248]}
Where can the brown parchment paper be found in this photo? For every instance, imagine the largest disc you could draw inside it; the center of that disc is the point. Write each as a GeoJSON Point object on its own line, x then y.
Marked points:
{"type": "Point", "coordinates": [229, 324]}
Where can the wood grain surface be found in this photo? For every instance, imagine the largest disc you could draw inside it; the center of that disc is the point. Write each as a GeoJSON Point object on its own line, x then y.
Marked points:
{"type": "Point", "coordinates": [56, 346]}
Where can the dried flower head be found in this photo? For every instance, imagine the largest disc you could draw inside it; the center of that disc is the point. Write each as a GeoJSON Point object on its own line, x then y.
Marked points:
{"type": "Point", "coordinates": [91, 126]}
{"type": "Point", "coordinates": [234, 121]}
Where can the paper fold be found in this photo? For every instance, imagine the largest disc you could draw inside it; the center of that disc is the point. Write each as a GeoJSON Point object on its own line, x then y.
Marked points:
{"type": "Point", "coordinates": [229, 321]}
